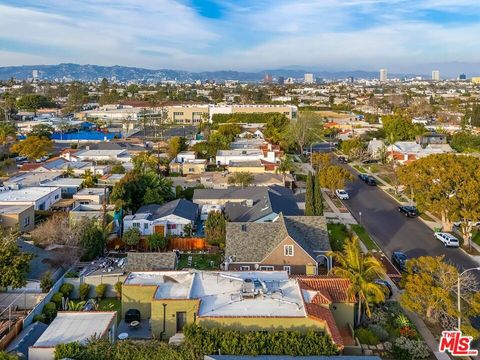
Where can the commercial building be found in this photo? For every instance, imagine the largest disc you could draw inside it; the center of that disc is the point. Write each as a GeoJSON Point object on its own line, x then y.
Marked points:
{"type": "Point", "coordinates": [383, 75]}
{"type": "Point", "coordinates": [308, 78]}
{"type": "Point", "coordinates": [42, 198]}
{"type": "Point", "coordinates": [436, 75]}
{"type": "Point", "coordinates": [68, 327]}
{"type": "Point", "coordinates": [245, 301]}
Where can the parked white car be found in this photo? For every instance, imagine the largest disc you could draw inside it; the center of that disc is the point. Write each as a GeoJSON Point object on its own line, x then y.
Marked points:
{"type": "Point", "coordinates": [447, 239]}
{"type": "Point", "coordinates": [342, 194]}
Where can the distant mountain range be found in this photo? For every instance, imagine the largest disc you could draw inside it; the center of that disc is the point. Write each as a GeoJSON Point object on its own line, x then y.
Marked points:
{"type": "Point", "coordinates": [124, 73]}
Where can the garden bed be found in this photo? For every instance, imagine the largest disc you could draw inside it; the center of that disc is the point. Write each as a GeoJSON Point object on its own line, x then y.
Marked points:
{"type": "Point", "coordinates": [390, 334]}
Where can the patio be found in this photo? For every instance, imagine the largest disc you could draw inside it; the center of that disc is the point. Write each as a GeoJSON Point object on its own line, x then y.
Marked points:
{"type": "Point", "coordinates": [141, 332]}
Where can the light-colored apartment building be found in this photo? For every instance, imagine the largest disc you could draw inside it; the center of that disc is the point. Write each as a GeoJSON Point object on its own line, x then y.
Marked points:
{"type": "Point", "coordinates": [195, 114]}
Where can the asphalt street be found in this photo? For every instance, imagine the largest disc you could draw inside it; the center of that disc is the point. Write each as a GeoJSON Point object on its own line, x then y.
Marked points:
{"type": "Point", "coordinates": [393, 231]}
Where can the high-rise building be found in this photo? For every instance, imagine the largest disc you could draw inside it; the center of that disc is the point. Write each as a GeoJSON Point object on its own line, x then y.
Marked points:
{"type": "Point", "coordinates": [267, 79]}
{"type": "Point", "coordinates": [281, 80]}
{"type": "Point", "coordinates": [308, 78]}
{"type": "Point", "coordinates": [350, 79]}
{"type": "Point", "coordinates": [383, 75]}
{"type": "Point", "coordinates": [436, 75]}
{"type": "Point", "coordinates": [462, 77]}
{"type": "Point", "coordinates": [35, 74]}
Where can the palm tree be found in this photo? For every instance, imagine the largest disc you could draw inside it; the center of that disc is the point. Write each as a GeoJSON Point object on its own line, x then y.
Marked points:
{"type": "Point", "coordinates": [7, 132]}
{"type": "Point", "coordinates": [361, 270]}
{"type": "Point", "coordinates": [285, 167]}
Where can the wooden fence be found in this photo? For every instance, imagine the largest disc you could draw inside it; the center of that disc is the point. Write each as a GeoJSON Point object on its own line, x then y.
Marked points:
{"type": "Point", "coordinates": [185, 244]}
{"type": "Point", "coordinates": [10, 335]}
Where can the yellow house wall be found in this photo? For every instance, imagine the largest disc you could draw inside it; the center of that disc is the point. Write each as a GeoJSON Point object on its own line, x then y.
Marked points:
{"type": "Point", "coordinates": [173, 306]}
{"type": "Point", "coordinates": [261, 324]}
{"type": "Point", "coordinates": [343, 313]}
{"type": "Point", "coordinates": [138, 297]}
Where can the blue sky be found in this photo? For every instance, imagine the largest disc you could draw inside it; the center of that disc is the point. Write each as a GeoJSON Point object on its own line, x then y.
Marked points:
{"type": "Point", "coordinates": [242, 34]}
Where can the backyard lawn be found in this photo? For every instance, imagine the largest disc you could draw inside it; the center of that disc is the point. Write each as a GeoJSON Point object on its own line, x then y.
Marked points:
{"type": "Point", "coordinates": [200, 261]}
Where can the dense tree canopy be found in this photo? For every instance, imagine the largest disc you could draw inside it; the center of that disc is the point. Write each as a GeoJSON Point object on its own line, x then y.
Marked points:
{"type": "Point", "coordinates": [14, 264]}
{"type": "Point", "coordinates": [42, 130]}
{"type": "Point", "coordinates": [215, 228]}
{"type": "Point", "coordinates": [242, 179]}
{"type": "Point", "coordinates": [446, 184]}
{"type": "Point", "coordinates": [399, 127]}
{"type": "Point", "coordinates": [33, 147]}
{"type": "Point", "coordinates": [33, 102]}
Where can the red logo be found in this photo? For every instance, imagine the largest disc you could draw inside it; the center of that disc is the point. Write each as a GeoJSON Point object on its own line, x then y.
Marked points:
{"type": "Point", "coordinates": [456, 344]}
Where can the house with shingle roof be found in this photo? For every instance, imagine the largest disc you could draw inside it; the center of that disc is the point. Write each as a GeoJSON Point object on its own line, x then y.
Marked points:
{"type": "Point", "coordinates": [296, 244]}
{"type": "Point", "coordinates": [167, 219]}
{"type": "Point", "coordinates": [250, 204]}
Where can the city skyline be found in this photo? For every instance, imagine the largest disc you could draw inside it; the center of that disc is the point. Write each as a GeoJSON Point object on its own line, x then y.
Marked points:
{"type": "Point", "coordinates": [247, 35]}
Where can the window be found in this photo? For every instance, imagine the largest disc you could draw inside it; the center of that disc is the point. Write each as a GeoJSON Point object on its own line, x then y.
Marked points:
{"type": "Point", "coordinates": [26, 221]}
{"type": "Point", "coordinates": [288, 250]}
{"type": "Point", "coordinates": [145, 226]}
{"type": "Point", "coordinates": [245, 268]}
{"type": "Point", "coordinates": [171, 226]}
{"type": "Point", "coordinates": [287, 269]}
{"type": "Point", "coordinates": [267, 268]}
{"type": "Point", "coordinates": [57, 196]}
{"type": "Point", "coordinates": [136, 225]}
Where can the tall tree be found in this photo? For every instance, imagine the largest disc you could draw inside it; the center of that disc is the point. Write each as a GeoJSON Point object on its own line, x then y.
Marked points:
{"type": "Point", "coordinates": [334, 177]}
{"type": "Point", "coordinates": [145, 162]}
{"type": "Point", "coordinates": [33, 147]}
{"type": "Point", "coordinates": [318, 196]}
{"type": "Point", "coordinates": [7, 132]}
{"type": "Point", "coordinates": [241, 178]}
{"type": "Point", "coordinates": [215, 228]}
{"type": "Point", "coordinates": [175, 145]}
{"type": "Point", "coordinates": [361, 270]}
{"type": "Point", "coordinates": [33, 102]}
{"type": "Point", "coordinates": [306, 129]}
{"type": "Point", "coordinates": [14, 264]}
{"type": "Point", "coordinates": [310, 195]}
{"type": "Point", "coordinates": [286, 166]}
{"type": "Point", "coordinates": [445, 184]}
{"type": "Point", "coordinates": [42, 130]}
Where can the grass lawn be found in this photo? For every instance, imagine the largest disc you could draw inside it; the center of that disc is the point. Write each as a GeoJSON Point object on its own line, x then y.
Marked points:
{"type": "Point", "coordinates": [337, 234]}
{"type": "Point", "coordinates": [200, 261]}
{"type": "Point", "coordinates": [108, 304]}
{"type": "Point", "coordinates": [476, 237]}
{"type": "Point", "coordinates": [364, 237]}
{"type": "Point", "coordinates": [426, 217]}
{"type": "Point", "coordinates": [360, 168]}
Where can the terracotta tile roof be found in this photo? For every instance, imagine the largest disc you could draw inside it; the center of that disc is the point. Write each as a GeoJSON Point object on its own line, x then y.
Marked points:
{"type": "Point", "coordinates": [329, 289]}
{"type": "Point", "coordinates": [29, 166]}
{"type": "Point", "coordinates": [320, 313]}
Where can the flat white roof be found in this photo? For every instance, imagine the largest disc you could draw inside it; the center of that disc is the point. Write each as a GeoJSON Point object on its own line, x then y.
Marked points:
{"type": "Point", "coordinates": [220, 293]}
{"type": "Point", "coordinates": [75, 326]}
{"type": "Point", "coordinates": [63, 182]}
{"type": "Point", "coordinates": [27, 194]}
{"type": "Point", "coordinates": [13, 209]}
{"type": "Point", "coordinates": [91, 191]}
{"type": "Point", "coordinates": [239, 152]}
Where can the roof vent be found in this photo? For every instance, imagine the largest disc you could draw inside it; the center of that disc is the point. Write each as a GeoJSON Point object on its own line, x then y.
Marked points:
{"type": "Point", "coordinates": [249, 202]}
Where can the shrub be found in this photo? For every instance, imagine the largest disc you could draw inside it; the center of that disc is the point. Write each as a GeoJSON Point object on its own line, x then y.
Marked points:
{"type": "Point", "coordinates": [118, 289]}
{"type": "Point", "coordinates": [402, 321]}
{"type": "Point", "coordinates": [39, 317]}
{"type": "Point", "coordinates": [73, 350]}
{"type": "Point", "coordinates": [406, 349]}
{"type": "Point", "coordinates": [84, 289]}
{"type": "Point", "coordinates": [50, 311]}
{"type": "Point", "coordinates": [100, 291]}
{"type": "Point", "coordinates": [379, 317]}
{"type": "Point", "coordinates": [233, 342]}
{"type": "Point", "coordinates": [408, 332]}
{"type": "Point", "coordinates": [379, 331]}
{"type": "Point", "coordinates": [46, 282]}
{"type": "Point", "coordinates": [66, 289]}
{"type": "Point", "coordinates": [57, 299]}
{"type": "Point", "coordinates": [366, 336]}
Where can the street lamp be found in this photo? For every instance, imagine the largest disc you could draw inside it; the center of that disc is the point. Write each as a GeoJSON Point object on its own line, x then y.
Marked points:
{"type": "Point", "coordinates": [458, 295]}
{"type": "Point", "coordinates": [360, 214]}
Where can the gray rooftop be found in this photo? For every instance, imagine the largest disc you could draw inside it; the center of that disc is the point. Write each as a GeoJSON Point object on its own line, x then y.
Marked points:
{"type": "Point", "coordinates": [180, 207]}
{"type": "Point", "coordinates": [75, 326]}
{"type": "Point", "coordinates": [252, 242]}
{"type": "Point", "coordinates": [155, 261]}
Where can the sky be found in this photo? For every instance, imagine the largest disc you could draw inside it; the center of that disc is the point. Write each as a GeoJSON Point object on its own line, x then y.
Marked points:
{"type": "Point", "coordinates": [247, 35]}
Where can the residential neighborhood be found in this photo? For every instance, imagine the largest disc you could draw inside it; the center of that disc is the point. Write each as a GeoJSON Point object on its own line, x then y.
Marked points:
{"type": "Point", "coordinates": [292, 213]}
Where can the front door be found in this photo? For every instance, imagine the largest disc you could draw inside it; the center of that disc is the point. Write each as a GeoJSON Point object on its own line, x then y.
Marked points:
{"type": "Point", "coordinates": [181, 321]}
{"type": "Point", "coordinates": [160, 229]}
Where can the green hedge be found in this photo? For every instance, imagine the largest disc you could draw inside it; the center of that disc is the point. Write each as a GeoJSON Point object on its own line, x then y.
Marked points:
{"type": "Point", "coordinates": [245, 118]}
{"type": "Point", "coordinates": [232, 342]}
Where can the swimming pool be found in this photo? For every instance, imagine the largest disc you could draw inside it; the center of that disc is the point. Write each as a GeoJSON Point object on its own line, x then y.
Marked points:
{"type": "Point", "coordinates": [85, 135]}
